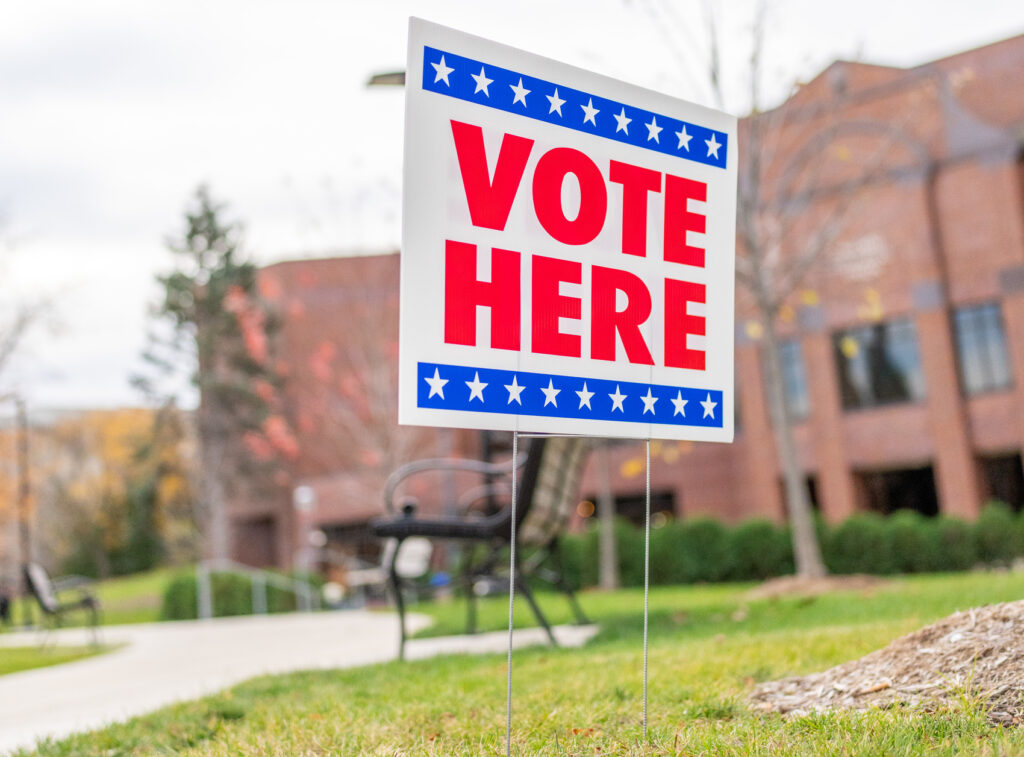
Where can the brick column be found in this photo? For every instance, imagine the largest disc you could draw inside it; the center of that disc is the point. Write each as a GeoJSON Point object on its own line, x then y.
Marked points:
{"type": "Point", "coordinates": [765, 498]}
{"type": "Point", "coordinates": [835, 479]}
{"type": "Point", "coordinates": [1011, 283]}
{"type": "Point", "coordinates": [956, 473]}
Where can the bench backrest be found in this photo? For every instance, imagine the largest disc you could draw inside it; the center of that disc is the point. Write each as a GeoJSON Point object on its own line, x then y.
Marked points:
{"type": "Point", "coordinates": [551, 487]}
{"type": "Point", "coordinates": [39, 583]}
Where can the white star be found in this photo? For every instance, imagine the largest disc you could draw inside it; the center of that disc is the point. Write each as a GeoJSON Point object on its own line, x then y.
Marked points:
{"type": "Point", "coordinates": [549, 394]}
{"type": "Point", "coordinates": [649, 401]}
{"type": "Point", "coordinates": [476, 387]}
{"type": "Point", "coordinates": [482, 82]}
{"type": "Point", "coordinates": [712, 146]}
{"type": "Point", "coordinates": [623, 122]}
{"type": "Point", "coordinates": [442, 72]}
{"type": "Point", "coordinates": [680, 405]}
{"type": "Point", "coordinates": [589, 111]}
{"type": "Point", "coordinates": [617, 399]}
{"type": "Point", "coordinates": [709, 407]}
{"type": "Point", "coordinates": [653, 130]}
{"type": "Point", "coordinates": [436, 385]}
{"type": "Point", "coordinates": [684, 139]}
{"type": "Point", "coordinates": [521, 92]}
{"type": "Point", "coordinates": [556, 103]}
{"type": "Point", "coordinates": [585, 396]}
{"type": "Point", "coordinates": [514, 390]}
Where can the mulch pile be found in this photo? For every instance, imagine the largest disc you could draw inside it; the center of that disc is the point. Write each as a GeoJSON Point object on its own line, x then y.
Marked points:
{"type": "Point", "coordinates": [979, 652]}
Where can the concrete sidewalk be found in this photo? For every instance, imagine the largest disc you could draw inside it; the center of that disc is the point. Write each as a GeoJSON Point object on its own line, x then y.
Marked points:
{"type": "Point", "coordinates": [162, 663]}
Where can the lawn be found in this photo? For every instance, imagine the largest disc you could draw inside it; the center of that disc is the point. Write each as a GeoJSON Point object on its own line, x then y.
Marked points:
{"type": "Point", "coordinates": [135, 598]}
{"type": "Point", "coordinates": [708, 646]}
{"type": "Point", "coordinates": [126, 599]}
{"type": "Point", "coordinates": [16, 659]}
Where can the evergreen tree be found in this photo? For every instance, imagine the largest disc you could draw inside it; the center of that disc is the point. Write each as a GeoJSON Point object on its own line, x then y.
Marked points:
{"type": "Point", "coordinates": [219, 326]}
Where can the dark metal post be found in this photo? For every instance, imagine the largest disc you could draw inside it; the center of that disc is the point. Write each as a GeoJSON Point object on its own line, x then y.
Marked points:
{"type": "Point", "coordinates": [24, 502]}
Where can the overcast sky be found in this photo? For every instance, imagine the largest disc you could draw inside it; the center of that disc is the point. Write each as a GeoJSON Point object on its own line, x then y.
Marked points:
{"type": "Point", "coordinates": [111, 113]}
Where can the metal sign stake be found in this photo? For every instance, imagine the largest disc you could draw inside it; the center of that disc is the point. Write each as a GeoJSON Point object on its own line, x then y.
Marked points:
{"type": "Point", "coordinates": [511, 594]}
{"type": "Point", "coordinates": [647, 574]}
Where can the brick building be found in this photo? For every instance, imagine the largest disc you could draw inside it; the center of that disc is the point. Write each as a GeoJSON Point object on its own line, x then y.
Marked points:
{"type": "Point", "coordinates": [903, 347]}
{"type": "Point", "coordinates": [337, 351]}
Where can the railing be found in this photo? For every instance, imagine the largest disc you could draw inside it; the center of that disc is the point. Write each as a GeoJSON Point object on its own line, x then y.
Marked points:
{"type": "Point", "coordinates": [307, 598]}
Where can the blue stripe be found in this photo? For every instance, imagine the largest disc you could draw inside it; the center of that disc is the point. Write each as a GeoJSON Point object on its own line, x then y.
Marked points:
{"type": "Point", "coordinates": [703, 407]}
{"type": "Point", "coordinates": [461, 85]}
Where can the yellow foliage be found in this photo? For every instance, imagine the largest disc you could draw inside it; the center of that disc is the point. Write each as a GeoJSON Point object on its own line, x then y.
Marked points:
{"type": "Point", "coordinates": [83, 468]}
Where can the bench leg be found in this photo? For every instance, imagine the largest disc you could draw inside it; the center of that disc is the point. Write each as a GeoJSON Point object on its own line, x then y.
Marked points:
{"type": "Point", "coordinates": [468, 586]}
{"type": "Point", "coordinates": [396, 590]}
{"type": "Point", "coordinates": [524, 588]}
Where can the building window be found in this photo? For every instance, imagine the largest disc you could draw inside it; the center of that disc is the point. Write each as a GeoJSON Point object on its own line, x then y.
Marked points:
{"type": "Point", "coordinates": [794, 379]}
{"type": "Point", "coordinates": [981, 348]}
{"type": "Point", "coordinates": [1003, 476]}
{"type": "Point", "coordinates": [879, 365]}
{"type": "Point", "coordinates": [886, 491]}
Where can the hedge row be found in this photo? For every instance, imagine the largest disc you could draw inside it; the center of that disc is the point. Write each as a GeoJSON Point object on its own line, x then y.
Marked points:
{"type": "Point", "coordinates": [704, 550]}
{"type": "Point", "coordinates": [232, 595]}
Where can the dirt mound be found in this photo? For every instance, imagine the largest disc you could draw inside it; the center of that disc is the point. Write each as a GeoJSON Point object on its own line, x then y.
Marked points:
{"type": "Point", "coordinates": [977, 654]}
{"type": "Point", "coordinates": [799, 586]}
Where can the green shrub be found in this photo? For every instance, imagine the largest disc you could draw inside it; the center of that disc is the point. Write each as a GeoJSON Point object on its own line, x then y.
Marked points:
{"type": "Point", "coordinates": [706, 543]}
{"type": "Point", "coordinates": [759, 550]}
{"type": "Point", "coordinates": [955, 544]}
{"type": "Point", "coordinates": [913, 541]}
{"type": "Point", "coordinates": [670, 562]}
{"type": "Point", "coordinates": [996, 536]}
{"type": "Point", "coordinates": [232, 595]}
{"type": "Point", "coordinates": [629, 549]}
{"type": "Point", "coordinates": [179, 601]}
{"type": "Point", "coordinates": [590, 555]}
{"type": "Point", "coordinates": [704, 550]}
{"type": "Point", "coordinates": [570, 547]}
{"type": "Point", "coordinates": [860, 544]}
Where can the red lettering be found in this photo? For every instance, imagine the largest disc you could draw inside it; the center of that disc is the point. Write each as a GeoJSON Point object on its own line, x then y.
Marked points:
{"type": "Point", "coordinates": [636, 183]}
{"type": "Point", "coordinates": [605, 320]}
{"type": "Point", "coordinates": [463, 293]}
{"type": "Point", "coordinates": [490, 200]}
{"type": "Point", "coordinates": [549, 305]}
{"type": "Point", "coordinates": [548, 176]}
{"type": "Point", "coordinates": [679, 220]}
{"type": "Point", "coordinates": [679, 324]}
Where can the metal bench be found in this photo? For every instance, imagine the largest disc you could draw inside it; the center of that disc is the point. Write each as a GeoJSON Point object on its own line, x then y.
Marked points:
{"type": "Point", "coordinates": [548, 491]}
{"type": "Point", "coordinates": [59, 597]}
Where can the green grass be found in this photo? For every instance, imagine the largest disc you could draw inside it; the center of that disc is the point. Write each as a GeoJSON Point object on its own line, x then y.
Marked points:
{"type": "Point", "coordinates": [16, 659]}
{"type": "Point", "coordinates": [133, 599]}
{"type": "Point", "coordinates": [708, 647]}
{"type": "Point", "coordinates": [126, 599]}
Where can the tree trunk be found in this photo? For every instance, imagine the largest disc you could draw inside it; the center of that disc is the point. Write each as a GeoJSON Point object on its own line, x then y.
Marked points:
{"type": "Point", "coordinates": [609, 561]}
{"type": "Point", "coordinates": [806, 551]}
{"type": "Point", "coordinates": [217, 539]}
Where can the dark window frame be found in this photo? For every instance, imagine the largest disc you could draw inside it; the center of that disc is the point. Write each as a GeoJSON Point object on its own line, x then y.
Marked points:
{"type": "Point", "coordinates": [982, 355]}
{"type": "Point", "coordinates": [795, 387]}
{"type": "Point", "coordinates": [890, 345]}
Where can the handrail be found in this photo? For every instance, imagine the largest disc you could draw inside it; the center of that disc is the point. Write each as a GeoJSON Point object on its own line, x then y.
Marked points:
{"type": "Point", "coordinates": [307, 598]}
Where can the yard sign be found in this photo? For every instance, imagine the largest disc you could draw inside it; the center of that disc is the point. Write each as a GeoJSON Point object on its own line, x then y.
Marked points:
{"type": "Point", "coordinates": [567, 249]}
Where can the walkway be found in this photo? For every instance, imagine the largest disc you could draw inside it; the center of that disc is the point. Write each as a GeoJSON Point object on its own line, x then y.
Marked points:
{"type": "Point", "coordinates": [162, 663]}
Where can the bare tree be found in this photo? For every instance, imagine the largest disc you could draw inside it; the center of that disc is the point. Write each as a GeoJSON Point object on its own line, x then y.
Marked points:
{"type": "Point", "coordinates": [795, 202]}
{"type": "Point", "coordinates": [345, 397]}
